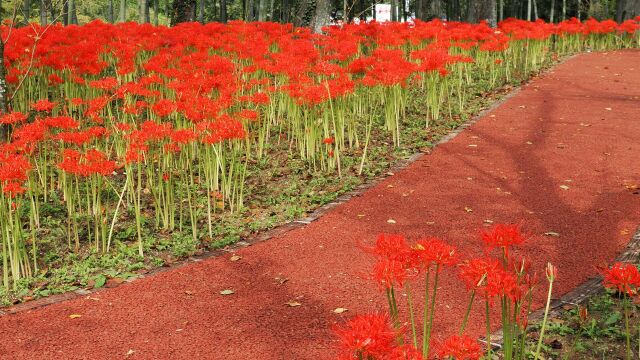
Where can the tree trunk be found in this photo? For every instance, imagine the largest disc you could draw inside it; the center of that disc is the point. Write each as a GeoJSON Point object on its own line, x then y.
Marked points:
{"type": "Point", "coordinates": [249, 12]}
{"type": "Point", "coordinates": [535, 10]}
{"type": "Point", "coordinates": [262, 10]}
{"type": "Point", "coordinates": [528, 10]}
{"type": "Point", "coordinates": [564, 10]}
{"type": "Point", "coordinates": [272, 12]}
{"type": "Point", "coordinates": [579, 10]}
{"type": "Point", "coordinates": [147, 11]}
{"type": "Point", "coordinates": [301, 12]}
{"type": "Point", "coordinates": [43, 13]}
{"type": "Point", "coordinates": [284, 11]}
{"type": "Point", "coordinates": [201, 11]}
{"type": "Point", "coordinates": [456, 10]}
{"type": "Point", "coordinates": [73, 16]}
{"type": "Point", "coordinates": [141, 11]}
{"type": "Point", "coordinates": [627, 9]}
{"type": "Point", "coordinates": [143, 8]}
{"type": "Point", "coordinates": [183, 11]}
{"type": "Point", "coordinates": [394, 10]}
{"type": "Point", "coordinates": [223, 11]}
{"type": "Point", "coordinates": [110, 12]}
{"type": "Point", "coordinates": [321, 16]}
{"type": "Point", "coordinates": [345, 11]}
{"type": "Point", "coordinates": [552, 11]}
{"type": "Point", "coordinates": [434, 9]}
{"type": "Point", "coordinates": [65, 13]}
{"type": "Point", "coordinates": [374, 10]}
{"type": "Point", "coordinates": [123, 10]}
{"type": "Point", "coordinates": [26, 10]}
{"type": "Point", "coordinates": [482, 10]}
{"type": "Point", "coordinates": [156, 12]}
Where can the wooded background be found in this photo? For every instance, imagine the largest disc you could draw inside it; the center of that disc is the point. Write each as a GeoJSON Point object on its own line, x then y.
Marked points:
{"type": "Point", "coordinates": [316, 13]}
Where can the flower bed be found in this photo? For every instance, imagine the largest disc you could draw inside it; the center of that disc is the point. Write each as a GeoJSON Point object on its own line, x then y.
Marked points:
{"type": "Point", "coordinates": [123, 139]}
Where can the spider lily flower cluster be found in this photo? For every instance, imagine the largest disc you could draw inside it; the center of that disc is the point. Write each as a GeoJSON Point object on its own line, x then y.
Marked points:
{"type": "Point", "coordinates": [625, 278]}
{"type": "Point", "coordinates": [498, 278]}
{"type": "Point", "coordinates": [164, 122]}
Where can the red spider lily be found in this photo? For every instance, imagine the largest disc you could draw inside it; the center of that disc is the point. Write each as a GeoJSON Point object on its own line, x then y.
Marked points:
{"type": "Point", "coordinates": [54, 79]}
{"type": "Point", "coordinates": [43, 105]}
{"type": "Point", "coordinates": [503, 284]}
{"type": "Point", "coordinates": [460, 348]}
{"type": "Point", "coordinates": [474, 272]}
{"type": "Point", "coordinates": [389, 273]}
{"type": "Point", "coordinates": [14, 168]}
{"type": "Point", "coordinates": [404, 352]}
{"type": "Point", "coordinates": [106, 83]}
{"type": "Point", "coordinates": [394, 261]}
{"type": "Point", "coordinates": [551, 272]}
{"type": "Point", "coordinates": [391, 246]}
{"type": "Point", "coordinates": [622, 276]}
{"type": "Point", "coordinates": [249, 114]}
{"type": "Point", "coordinates": [13, 188]}
{"type": "Point", "coordinates": [13, 118]}
{"type": "Point", "coordinates": [503, 236]}
{"type": "Point", "coordinates": [433, 251]}
{"type": "Point", "coordinates": [164, 107]}
{"type": "Point", "coordinates": [367, 336]}
{"type": "Point", "coordinates": [61, 122]}
{"type": "Point", "coordinates": [92, 162]}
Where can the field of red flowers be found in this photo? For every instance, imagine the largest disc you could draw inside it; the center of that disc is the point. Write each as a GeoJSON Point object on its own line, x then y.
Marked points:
{"type": "Point", "coordinates": [162, 126]}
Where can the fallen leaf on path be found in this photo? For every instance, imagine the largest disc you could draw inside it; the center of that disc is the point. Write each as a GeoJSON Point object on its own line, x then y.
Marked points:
{"type": "Point", "coordinates": [280, 279]}
{"type": "Point", "coordinates": [227, 292]}
{"type": "Point", "coordinates": [361, 215]}
{"type": "Point", "coordinates": [130, 352]}
{"type": "Point", "coordinates": [188, 292]}
{"type": "Point", "coordinates": [391, 221]}
{"type": "Point", "coordinates": [552, 233]}
{"type": "Point", "coordinates": [487, 221]}
{"type": "Point", "coordinates": [468, 209]}
{"type": "Point", "coordinates": [529, 143]}
{"type": "Point", "coordinates": [600, 210]}
{"type": "Point", "coordinates": [473, 145]}
{"type": "Point", "coordinates": [235, 258]}
{"type": "Point", "coordinates": [431, 222]}
{"type": "Point", "coordinates": [624, 232]}
{"type": "Point", "coordinates": [564, 187]}
{"type": "Point", "coordinates": [609, 109]}
{"type": "Point", "coordinates": [631, 187]}
{"type": "Point", "coordinates": [340, 310]}
{"type": "Point", "coordinates": [74, 316]}
{"type": "Point", "coordinates": [293, 303]}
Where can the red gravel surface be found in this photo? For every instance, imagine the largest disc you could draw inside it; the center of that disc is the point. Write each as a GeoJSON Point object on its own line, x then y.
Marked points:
{"type": "Point", "coordinates": [556, 156]}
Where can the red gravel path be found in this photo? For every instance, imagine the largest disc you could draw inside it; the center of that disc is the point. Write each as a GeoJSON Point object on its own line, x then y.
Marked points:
{"type": "Point", "coordinates": [577, 126]}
